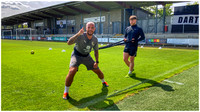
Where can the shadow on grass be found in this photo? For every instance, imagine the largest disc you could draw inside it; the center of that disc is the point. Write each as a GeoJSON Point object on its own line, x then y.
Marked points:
{"type": "Point", "coordinates": [153, 83]}
{"type": "Point", "coordinates": [95, 102]}
{"type": "Point", "coordinates": [143, 80]}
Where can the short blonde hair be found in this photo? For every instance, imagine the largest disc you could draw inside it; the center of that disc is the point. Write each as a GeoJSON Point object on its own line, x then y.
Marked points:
{"type": "Point", "coordinates": [132, 17]}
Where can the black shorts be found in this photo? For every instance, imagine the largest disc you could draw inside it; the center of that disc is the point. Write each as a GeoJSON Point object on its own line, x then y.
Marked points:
{"type": "Point", "coordinates": [132, 51]}
{"type": "Point", "coordinates": [77, 60]}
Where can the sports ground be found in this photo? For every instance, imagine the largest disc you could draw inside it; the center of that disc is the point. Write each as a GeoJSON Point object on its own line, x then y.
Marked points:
{"type": "Point", "coordinates": [36, 81]}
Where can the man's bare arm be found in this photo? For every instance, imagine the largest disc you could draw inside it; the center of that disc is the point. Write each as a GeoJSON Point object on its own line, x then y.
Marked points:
{"type": "Point", "coordinates": [73, 38]}
{"type": "Point", "coordinates": [96, 54]}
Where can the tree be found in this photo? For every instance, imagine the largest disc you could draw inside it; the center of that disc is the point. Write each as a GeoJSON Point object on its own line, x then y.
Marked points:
{"type": "Point", "coordinates": [152, 9]}
{"type": "Point", "coordinates": [195, 3]}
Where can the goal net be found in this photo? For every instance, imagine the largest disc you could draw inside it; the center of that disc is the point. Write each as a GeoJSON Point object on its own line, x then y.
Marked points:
{"type": "Point", "coordinates": [6, 34]}
{"type": "Point", "coordinates": [25, 33]}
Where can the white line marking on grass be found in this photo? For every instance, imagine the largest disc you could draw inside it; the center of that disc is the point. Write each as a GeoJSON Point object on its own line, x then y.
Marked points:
{"type": "Point", "coordinates": [101, 98]}
{"type": "Point", "coordinates": [173, 82]}
{"type": "Point", "coordinates": [156, 76]}
{"type": "Point", "coordinates": [167, 48]}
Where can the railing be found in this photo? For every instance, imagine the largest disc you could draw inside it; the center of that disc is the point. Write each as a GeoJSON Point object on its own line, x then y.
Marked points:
{"type": "Point", "coordinates": [159, 39]}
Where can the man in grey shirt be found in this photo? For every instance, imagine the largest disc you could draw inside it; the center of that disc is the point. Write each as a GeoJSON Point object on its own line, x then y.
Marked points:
{"type": "Point", "coordinates": [85, 41]}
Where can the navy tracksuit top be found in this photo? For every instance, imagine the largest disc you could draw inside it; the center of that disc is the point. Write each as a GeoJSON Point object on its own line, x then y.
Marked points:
{"type": "Point", "coordinates": [133, 32]}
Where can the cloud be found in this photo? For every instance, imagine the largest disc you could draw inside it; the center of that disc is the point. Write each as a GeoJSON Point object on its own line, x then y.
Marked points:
{"type": "Point", "coordinates": [10, 6]}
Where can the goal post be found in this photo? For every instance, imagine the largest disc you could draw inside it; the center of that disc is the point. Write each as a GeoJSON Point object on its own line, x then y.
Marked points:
{"type": "Point", "coordinates": [25, 33]}
{"type": "Point", "coordinates": [6, 34]}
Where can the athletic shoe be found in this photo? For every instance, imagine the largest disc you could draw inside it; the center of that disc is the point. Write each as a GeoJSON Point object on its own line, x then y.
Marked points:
{"type": "Point", "coordinates": [130, 75]}
{"type": "Point", "coordinates": [105, 84]}
{"type": "Point", "coordinates": [66, 96]}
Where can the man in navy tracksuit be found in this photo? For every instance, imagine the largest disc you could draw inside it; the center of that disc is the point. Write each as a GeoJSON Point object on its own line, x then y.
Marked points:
{"type": "Point", "coordinates": [133, 34]}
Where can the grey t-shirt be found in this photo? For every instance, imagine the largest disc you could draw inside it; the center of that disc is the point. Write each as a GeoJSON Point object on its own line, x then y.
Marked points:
{"type": "Point", "coordinates": [84, 45]}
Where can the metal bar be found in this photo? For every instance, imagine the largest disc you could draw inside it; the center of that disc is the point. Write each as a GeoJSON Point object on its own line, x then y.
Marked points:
{"type": "Point", "coordinates": [38, 15]}
{"type": "Point", "coordinates": [96, 6]}
{"type": "Point", "coordinates": [124, 20]}
{"type": "Point", "coordinates": [30, 34]}
{"type": "Point", "coordinates": [66, 24]}
{"type": "Point", "coordinates": [81, 20]}
{"type": "Point", "coordinates": [108, 23]}
{"type": "Point", "coordinates": [156, 23]}
{"type": "Point", "coordinates": [147, 23]}
{"type": "Point", "coordinates": [75, 24]}
{"type": "Point", "coordinates": [44, 27]}
{"type": "Point", "coordinates": [78, 10]}
{"type": "Point", "coordinates": [16, 34]}
{"type": "Point", "coordinates": [11, 34]}
{"type": "Point", "coordinates": [52, 15]}
{"type": "Point", "coordinates": [54, 25]}
{"type": "Point", "coordinates": [164, 12]}
{"type": "Point", "coordinates": [63, 12]}
{"type": "Point", "coordinates": [100, 24]}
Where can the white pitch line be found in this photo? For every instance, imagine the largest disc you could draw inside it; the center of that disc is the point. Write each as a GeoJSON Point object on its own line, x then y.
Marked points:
{"type": "Point", "coordinates": [101, 98]}
{"type": "Point", "coordinates": [173, 82]}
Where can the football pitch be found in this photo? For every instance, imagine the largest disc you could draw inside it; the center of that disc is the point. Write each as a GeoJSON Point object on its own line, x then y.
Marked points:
{"type": "Point", "coordinates": [36, 81]}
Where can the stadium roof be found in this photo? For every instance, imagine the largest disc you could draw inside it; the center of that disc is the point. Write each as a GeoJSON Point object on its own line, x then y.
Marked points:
{"type": "Point", "coordinates": [75, 8]}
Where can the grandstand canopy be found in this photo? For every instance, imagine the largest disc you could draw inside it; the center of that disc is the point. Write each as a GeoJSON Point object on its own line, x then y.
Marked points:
{"type": "Point", "coordinates": [75, 8]}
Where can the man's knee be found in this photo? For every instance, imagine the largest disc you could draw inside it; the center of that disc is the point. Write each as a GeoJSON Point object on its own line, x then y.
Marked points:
{"type": "Point", "coordinates": [132, 58]}
{"type": "Point", "coordinates": [73, 70]}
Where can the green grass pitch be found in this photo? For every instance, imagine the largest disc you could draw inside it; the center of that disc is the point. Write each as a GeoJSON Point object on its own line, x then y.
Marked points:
{"type": "Point", "coordinates": [36, 81]}
{"type": "Point", "coordinates": [182, 94]}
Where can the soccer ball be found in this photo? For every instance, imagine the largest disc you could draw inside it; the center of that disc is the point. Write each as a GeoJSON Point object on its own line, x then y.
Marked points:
{"type": "Point", "coordinates": [32, 52]}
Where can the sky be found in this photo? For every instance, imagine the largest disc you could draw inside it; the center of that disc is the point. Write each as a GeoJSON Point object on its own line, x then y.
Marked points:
{"type": "Point", "coordinates": [179, 4]}
{"type": "Point", "coordinates": [62, 1]}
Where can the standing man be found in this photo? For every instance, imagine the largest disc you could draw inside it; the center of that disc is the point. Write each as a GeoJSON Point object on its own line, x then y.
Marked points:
{"type": "Point", "coordinates": [133, 34]}
{"type": "Point", "coordinates": [85, 41]}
